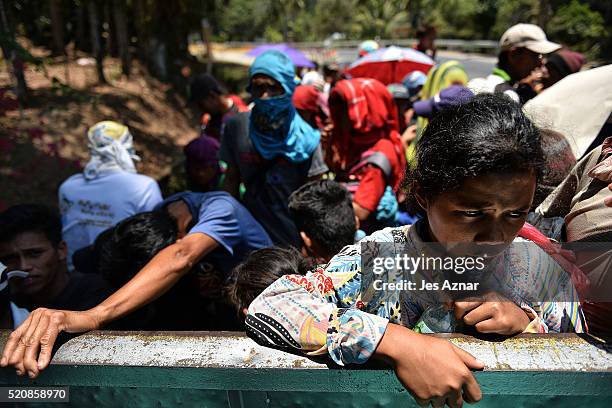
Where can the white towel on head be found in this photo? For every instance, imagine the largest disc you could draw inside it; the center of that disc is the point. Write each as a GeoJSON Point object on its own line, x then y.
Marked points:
{"type": "Point", "coordinates": [111, 148]}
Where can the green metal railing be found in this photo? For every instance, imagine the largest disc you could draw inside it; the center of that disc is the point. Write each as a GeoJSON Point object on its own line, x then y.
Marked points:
{"type": "Point", "coordinates": [229, 370]}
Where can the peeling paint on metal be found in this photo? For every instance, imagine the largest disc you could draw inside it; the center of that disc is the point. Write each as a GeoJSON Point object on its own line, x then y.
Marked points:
{"type": "Point", "coordinates": [527, 353]}
{"type": "Point", "coordinates": [538, 366]}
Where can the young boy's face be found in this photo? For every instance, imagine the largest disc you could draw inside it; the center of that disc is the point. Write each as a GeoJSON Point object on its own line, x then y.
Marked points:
{"type": "Point", "coordinates": [487, 210]}
{"type": "Point", "coordinates": [32, 252]}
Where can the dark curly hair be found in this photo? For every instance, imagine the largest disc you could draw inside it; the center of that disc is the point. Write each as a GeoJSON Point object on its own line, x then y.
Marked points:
{"type": "Point", "coordinates": [488, 134]}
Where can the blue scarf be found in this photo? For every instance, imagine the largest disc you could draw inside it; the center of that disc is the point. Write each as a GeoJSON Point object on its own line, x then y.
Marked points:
{"type": "Point", "coordinates": [274, 126]}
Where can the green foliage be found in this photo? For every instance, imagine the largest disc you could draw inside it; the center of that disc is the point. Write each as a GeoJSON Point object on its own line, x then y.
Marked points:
{"type": "Point", "coordinates": [245, 20]}
{"type": "Point", "coordinates": [460, 18]}
{"type": "Point", "coordinates": [513, 12]}
{"type": "Point", "coordinates": [576, 24]}
{"type": "Point", "coordinates": [335, 16]}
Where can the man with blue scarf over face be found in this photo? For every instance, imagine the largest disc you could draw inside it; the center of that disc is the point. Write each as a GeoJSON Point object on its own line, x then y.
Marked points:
{"type": "Point", "coordinates": [271, 149]}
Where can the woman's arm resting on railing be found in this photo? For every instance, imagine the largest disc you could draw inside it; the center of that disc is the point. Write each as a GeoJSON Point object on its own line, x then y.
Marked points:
{"type": "Point", "coordinates": [29, 347]}
{"type": "Point", "coordinates": [300, 313]}
{"type": "Point", "coordinates": [431, 369]}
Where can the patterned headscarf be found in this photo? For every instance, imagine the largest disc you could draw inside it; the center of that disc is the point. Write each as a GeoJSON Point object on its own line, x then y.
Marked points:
{"type": "Point", "coordinates": [111, 148]}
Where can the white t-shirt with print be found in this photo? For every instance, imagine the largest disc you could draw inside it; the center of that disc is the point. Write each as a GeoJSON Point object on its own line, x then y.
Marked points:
{"type": "Point", "coordinates": [89, 207]}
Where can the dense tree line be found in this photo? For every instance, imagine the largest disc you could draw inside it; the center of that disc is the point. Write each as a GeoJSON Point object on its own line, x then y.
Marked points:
{"type": "Point", "coordinates": [157, 31]}
{"type": "Point", "coordinates": [580, 24]}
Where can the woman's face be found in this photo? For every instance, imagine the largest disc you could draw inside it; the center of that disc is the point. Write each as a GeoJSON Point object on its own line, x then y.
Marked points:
{"type": "Point", "coordinates": [485, 210]}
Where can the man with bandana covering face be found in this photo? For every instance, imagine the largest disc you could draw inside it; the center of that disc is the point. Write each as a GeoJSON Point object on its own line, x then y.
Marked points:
{"type": "Point", "coordinates": [272, 150]}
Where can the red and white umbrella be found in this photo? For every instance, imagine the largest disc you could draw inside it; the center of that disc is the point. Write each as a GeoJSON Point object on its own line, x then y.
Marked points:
{"type": "Point", "coordinates": [390, 65]}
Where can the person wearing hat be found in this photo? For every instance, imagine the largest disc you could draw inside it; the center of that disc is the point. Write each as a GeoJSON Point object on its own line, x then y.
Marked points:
{"type": "Point", "coordinates": [108, 190]}
{"type": "Point", "coordinates": [202, 167]}
{"type": "Point", "coordinates": [522, 48]}
{"type": "Point", "coordinates": [272, 150]}
{"type": "Point", "coordinates": [453, 95]}
{"type": "Point", "coordinates": [414, 82]}
{"type": "Point", "coordinates": [311, 104]}
{"type": "Point", "coordinates": [561, 64]}
{"type": "Point", "coordinates": [403, 102]}
{"type": "Point", "coordinates": [216, 104]}
{"type": "Point", "coordinates": [367, 47]}
{"type": "Point", "coordinates": [426, 109]}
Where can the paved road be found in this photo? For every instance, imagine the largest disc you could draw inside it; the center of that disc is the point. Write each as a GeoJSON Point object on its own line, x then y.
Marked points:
{"type": "Point", "coordinates": [476, 65]}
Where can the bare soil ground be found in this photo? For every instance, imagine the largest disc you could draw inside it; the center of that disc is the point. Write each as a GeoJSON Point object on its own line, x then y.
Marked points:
{"type": "Point", "coordinates": [44, 142]}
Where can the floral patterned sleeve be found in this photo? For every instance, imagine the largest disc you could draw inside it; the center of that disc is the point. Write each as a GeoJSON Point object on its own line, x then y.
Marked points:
{"type": "Point", "coordinates": [318, 313]}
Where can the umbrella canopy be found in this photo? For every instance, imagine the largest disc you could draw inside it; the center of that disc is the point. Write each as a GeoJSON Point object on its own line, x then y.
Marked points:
{"type": "Point", "coordinates": [390, 65]}
{"type": "Point", "coordinates": [577, 107]}
{"type": "Point", "coordinates": [296, 56]}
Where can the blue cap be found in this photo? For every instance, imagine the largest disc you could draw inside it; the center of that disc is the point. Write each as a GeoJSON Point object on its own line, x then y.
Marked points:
{"type": "Point", "coordinates": [414, 81]}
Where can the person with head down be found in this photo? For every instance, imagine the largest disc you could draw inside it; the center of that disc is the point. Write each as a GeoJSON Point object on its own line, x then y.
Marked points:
{"type": "Point", "coordinates": [107, 191]}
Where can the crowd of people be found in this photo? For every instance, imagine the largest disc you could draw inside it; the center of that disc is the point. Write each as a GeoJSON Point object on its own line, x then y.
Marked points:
{"type": "Point", "coordinates": [287, 191]}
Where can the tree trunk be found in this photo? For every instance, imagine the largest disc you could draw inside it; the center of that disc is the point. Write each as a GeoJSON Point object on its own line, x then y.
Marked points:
{"type": "Point", "coordinates": [142, 32]}
{"type": "Point", "coordinates": [206, 36]}
{"type": "Point", "coordinates": [414, 7]}
{"type": "Point", "coordinates": [122, 35]}
{"type": "Point", "coordinates": [8, 49]}
{"type": "Point", "coordinates": [543, 13]}
{"type": "Point", "coordinates": [169, 46]}
{"type": "Point", "coordinates": [57, 27]}
{"type": "Point", "coordinates": [96, 46]}
{"type": "Point", "coordinates": [81, 43]}
{"type": "Point", "coordinates": [108, 29]}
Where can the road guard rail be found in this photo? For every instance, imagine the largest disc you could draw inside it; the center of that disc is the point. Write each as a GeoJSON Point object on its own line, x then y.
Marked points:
{"type": "Point", "coordinates": [222, 369]}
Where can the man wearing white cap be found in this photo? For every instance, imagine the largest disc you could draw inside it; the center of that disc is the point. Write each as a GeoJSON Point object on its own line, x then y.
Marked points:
{"type": "Point", "coordinates": [522, 47]}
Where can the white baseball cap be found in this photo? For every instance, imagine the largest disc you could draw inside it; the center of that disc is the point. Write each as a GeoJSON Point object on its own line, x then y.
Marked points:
{"type": "Point", "coordinates": [529, 36]}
